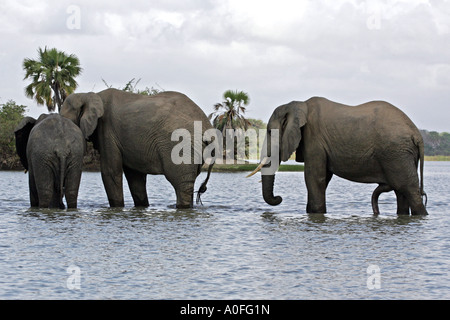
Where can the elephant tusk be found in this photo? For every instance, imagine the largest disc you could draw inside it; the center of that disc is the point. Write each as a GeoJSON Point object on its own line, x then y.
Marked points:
{"type": "Point", "coordinates": [263, 162]}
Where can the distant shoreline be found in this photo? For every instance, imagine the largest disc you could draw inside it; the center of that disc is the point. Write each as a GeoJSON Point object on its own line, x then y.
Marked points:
{"type": "Point", "coordinates": [286, 167]}
{"type": "Point", "coordinates": [437, 158]}
{"type": "Point", "coordinates": [250, 167]}
{"type": "Point", "coordinates": [247, 167]}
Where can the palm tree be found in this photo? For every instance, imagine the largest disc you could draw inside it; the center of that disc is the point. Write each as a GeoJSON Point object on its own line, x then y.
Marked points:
{"type": "Point", "coordinates": [232, 116]}
{"type": "Point", "coordinates": [53, 71]}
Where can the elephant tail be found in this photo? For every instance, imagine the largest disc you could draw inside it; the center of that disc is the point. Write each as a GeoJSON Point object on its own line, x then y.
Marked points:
{"type": "Point", "coordinates": [203, 188]}
{"type": "Point", "coordinates": [62, 176]}
{"type": "Point", "coordinates": [420, 145]}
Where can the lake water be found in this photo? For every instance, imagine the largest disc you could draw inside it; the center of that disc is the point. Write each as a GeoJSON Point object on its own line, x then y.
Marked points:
{"type": "Point", "coordinates": [233, 247]}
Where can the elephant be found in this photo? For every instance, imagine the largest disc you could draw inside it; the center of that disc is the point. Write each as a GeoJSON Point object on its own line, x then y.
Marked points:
{"type": "Point", "coordinates": [374, 142]}
{"type": "Point", "coordinates": [51, 149]}
{"type": "Point", "coordinates": [133, 134]}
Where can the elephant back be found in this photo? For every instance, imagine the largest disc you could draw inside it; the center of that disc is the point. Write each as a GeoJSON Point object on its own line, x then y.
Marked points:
{"type": "Point", "coordinates": [183, 107]}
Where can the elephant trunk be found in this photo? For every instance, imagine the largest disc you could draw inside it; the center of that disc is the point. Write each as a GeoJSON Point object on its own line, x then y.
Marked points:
{"type": "Point", "coordinates": [267, 188]}
{"type": "Point", "coordinates": [376, 194]}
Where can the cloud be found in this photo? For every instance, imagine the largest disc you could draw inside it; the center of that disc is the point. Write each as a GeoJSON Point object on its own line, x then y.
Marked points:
{"type": "Point", "coordinates": [351, 51]}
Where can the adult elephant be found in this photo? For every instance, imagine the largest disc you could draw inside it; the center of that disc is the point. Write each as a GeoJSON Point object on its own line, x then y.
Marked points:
{"type": "Point", "coordinates": [371, 143]}
{"type": "Point", "coordinates": [51, 148]}
{"type": "Point", "coordinates": [133, 134]}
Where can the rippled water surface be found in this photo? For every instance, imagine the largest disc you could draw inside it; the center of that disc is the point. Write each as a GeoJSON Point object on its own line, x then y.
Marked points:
{"type": "Point", "coordinates": [233, 247]}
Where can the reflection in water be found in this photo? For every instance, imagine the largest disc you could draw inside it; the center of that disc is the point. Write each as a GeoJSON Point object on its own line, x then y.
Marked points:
{"type": "Point", "coordinates": [330, 218]}
{"type": "Point", "coordinates": [317, 218]}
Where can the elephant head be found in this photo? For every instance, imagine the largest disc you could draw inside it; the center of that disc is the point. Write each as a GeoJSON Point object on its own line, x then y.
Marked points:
{"type": "Point", "coordinates": [284, 134]}
{"type": "Point", "coordinates": [22, 133]}
{"type": "Point", "coordinates": [84, 109]}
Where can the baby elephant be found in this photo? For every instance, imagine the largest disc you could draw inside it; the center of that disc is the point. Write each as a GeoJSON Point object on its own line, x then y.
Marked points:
{"type": "Point", "coordinates": [51, 148]}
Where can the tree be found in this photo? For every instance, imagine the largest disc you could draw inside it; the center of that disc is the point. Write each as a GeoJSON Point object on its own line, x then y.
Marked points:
{"type": "Point", "coordinates": [230, 113]}
{"type": "Point", "coordinates": [10, 116]}
{"type": "Point", "coordinates": [257, 123]}
{"type": "Point", "coordinates": [53, 71]}
{"type": "Point", "coordinates": [131, 86]}
{"type": "Point", "coordinates": [435, 143]}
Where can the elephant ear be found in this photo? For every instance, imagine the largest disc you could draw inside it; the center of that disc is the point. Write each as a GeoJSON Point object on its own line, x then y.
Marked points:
{"type": "Point", "coordinates": [292, 120]}
{"type": "Point", "coordinates": [84, 109]}
{"type": "Point", "coordinates": [22, 133]}
{"type": "Point", "coordinates": [93, 111]}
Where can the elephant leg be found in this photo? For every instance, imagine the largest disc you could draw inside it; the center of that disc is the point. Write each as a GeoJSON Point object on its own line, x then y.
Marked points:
{"type": "Point", "coordinates": [72, 185]}
{"type": "Point", "coordinates": [57, 201]}
{"type": "Point", "coordinates": [182, 178]}
{"type": "Point", "coordinates": [376, 194]}
{"type": "Point", "coordinates": [185, 194]}
{"type": "Point", "coordinates": [113, 188]}
{"type": "Point", "coordinates": [414, 200]}
{"type": "Point", "coordinates": [329, 176]}
{"type": "Point", "coordinates": [317, 178]}
{"type": "Point", "coordinates": [45, 186]}
{"type": "Point", "coordinates": [137, 183]}
{"type": "Point", "coordinates": [112, 175]}
{"type": "Point", "coordinates": [112, 181]}
{"type": "Point", "coordinates": [184, 186]}
{"type": "Point", "coordinates": [34, 198]}
{"type": "Point", "coordinates": [418, 208]}
{"type": "Point", "coordinates": [403, 177]}
{"type": "Point", "coordinates": [402, 204]}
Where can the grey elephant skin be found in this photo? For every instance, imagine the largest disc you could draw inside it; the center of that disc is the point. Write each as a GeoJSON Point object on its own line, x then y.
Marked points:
{"type": "Point", "coordinates": [132, 133]}
{"type": "Point", "coordinates": [51, 148]}
{"type": "Point", "coordinates": [370, 143]}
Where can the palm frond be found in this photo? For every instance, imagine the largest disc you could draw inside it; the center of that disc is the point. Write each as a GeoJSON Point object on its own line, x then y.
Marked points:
{"type": "Point", "coordinates": [230, 113]}
{"type": "Point", "coordinates": [53, 70]}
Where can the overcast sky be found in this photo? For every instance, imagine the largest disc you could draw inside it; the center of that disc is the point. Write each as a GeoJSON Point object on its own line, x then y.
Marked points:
{"type": "Point", "coordinates": [277, 51]}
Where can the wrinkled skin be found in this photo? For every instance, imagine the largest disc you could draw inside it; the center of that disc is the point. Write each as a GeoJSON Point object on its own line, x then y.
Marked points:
{"type": "Point", "coordinates": [132, 133]}
{"type": "Point", "coordinates": [370, 143]}
{"type": "Point", "coordinates": [51, 149]}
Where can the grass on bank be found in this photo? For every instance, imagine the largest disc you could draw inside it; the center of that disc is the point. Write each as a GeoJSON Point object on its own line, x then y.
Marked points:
{"type": "Point", "coordinates": [437, 158]}
{"type": "Point", "coordinates": [249, 167]}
